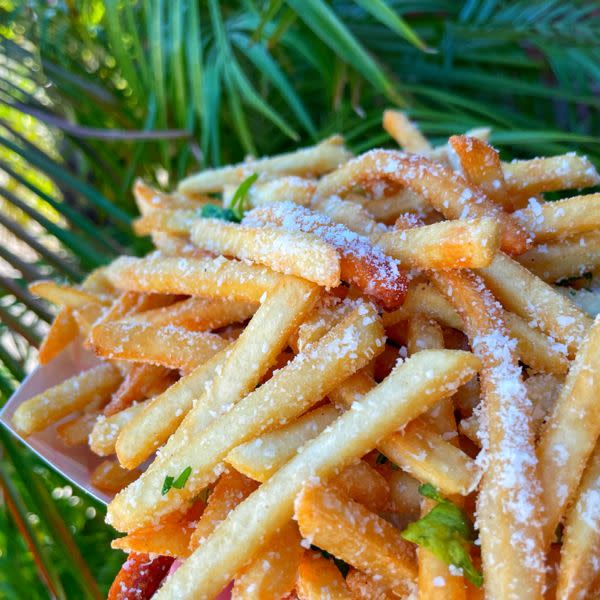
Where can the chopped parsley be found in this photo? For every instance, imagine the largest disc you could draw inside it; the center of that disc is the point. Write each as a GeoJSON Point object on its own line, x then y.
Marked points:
{"type": "Point", "coordinates": [238, 202]}
{"type": "Point", "coordinates": [179, 483]}
{"type": "Point", "coordinates": [446, 532]}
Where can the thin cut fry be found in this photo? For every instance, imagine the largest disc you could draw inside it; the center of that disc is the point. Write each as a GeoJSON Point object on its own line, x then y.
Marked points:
{"type": "Point", "coordinates": [210, 277]}
{"type": "Point", "coordinates": [150, 200]}
{"type": "Point", "coordinates": [289, 252]}
{"type": "Point", "coordinates": [358, 536]}
{"type": "Point", "coordinates": [76, 431]}
{"type": "Point", "coordinates": [96, 384]}
{"type": "Point", "coordinates": [170, 346]}
{"type": "Point", "coordinates": [65, 295]}
{"type": "Point", "coordinates": [272, 574]}
{"type": "Point", "coordinates": [62, 332]}
{"type": "Point", "coordinates": [87, 316]}
{"type": "Point", "coordinates": [351, 214]}
{"type": "Point", "coordinates": [337, 355]}
{"type": "Point", "coordinates": [139, 573]}
{"type": "Point", "coordinates": [405, 394]}
{"type": "Point", "coordinates": [314, 160]}
{"type": "Point", "coordinates": [579, 564]}
{"type": "Point", "coordinates": [319, 578]}
{"type": "Point", "coordinates": [364, 587]}
{"type": "Point", "coordinates": [570, 434]}
{"type": "Point", "coordinates": [292, 188]}
{"type": "Point", "coordinates": [446, 190]}
{"type": "Point", "coordinates": [106, 429]}
{"type": "Point", "coordinates": [110, 477]}
{"type": "Point", "coordinates": [364, 484]}
{"type": "Point", "coordinates": [405, 132]}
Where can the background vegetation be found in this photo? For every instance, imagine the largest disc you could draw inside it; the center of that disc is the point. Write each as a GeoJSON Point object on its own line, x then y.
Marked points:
{"type": "Point", "coordinates": [93, 94]}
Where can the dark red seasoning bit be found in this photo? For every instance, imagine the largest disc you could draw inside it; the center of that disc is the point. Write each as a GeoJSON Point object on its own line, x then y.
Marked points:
{"type": "Point", "coordinates": [140, 576]}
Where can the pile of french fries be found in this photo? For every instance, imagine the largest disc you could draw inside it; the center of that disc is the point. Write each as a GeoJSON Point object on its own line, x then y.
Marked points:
{"type": "Point", "coordinates": [336, 377]}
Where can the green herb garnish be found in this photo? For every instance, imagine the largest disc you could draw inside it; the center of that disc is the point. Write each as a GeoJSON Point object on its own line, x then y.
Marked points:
{"type": "Point", "coordinates": [446, 532]}
{"type": "Point", "coordinates": [171, 482]}
{"type": "Point", "coordinates": [238, 202]}
{"type": "Point", "coordinates": [212, 211]}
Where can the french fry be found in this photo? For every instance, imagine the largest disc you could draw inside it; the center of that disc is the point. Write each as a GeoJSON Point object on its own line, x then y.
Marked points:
{"type": "Point", "coordinates": [550, 221]}
{"type": "Point", "coordinates": [262, 456]}
{"type": "Point", "coordinates": [444, 245]}
{"type": "Point", "coordinates": [351, 214]}
{"type": "Point", "coordinates": [96, 384]}
{"type": "Point", "coordinates": [529, 297]}
{"type": "Point", "coordinates": [265, 336]}
{"type": "Point", "coordinates": [139, 577]}
{"type": "Point", "coordinates": [75, 431]}
{"type": "Point", "coordinates": [87, 316]}
{"type": "Point", "coordinates": [509, 504]}
{"type": "Point", "coordinates": [405, 132]}
{"type": "Point", "coordinates": [344, 350]}
{"type": "Point", "coordinates": [445, 190]}
{"type": "Point", "coordinates": [231, 489]}
{"type": "Point", "coordinates": [171, 222]}
{"type": "Point", "coordinates": [272, 574]}
{"type": "Point", "coordinates": [389, 207]}
{"type": "Point", "coordinates": [442, 153]}
{"type": "Point", "coordinates": [134, 302]}
{"type": "Point", "coordinates": [290, 252]}
{"type": "Point", "coordinates": [537, 175]}
{"type": "Point", "coordinates": [480, 164]}
{"type": "Point", "coordinates": [150, 200]}
{"type": "Point", "coordinates": [176, 245]}
{"type": "Point", "coordinates": [138, 384]}
{"type": "Point", "coordinates": [210, 277]}
{"type": "Point", "coordinates": [62, 332]}
{"type": "Point", "coordinates": [572, 257]}
{"type": "Point", "coordinates": [364, 587]}
{"type": "Point", "coordinates": [579, 565]}
{"type": "Point", "coordinates": [358, 536]}
{"type": "Point", "coordinates": [314, 160]}
{"type": "Point", "coordinates": [570, 433]}
{"type": "Point", "coordinates": [364, 484]}
{"type": "Point", "coordinates": [319, 578]}
{"type": "Point", "coordinates": [110, 477]}
{"type": "Point", "coordinates": [172, 347]}
{"type": "Point", "coordinates": [170, 537]}
{"type": "Point", "coordinates": [423, 334]}
{"type": "Point", "coordinates": [65, 295]}
{"type": "Point", "coordinates": [404, 494]}
{"type": "Point", "coordinates": [292, 188]}
{"type": "Point", "coordinates": [405, 394]}
{"type": "Point", "coordinates": [361, 263]}
{"type": "Point", "coordinates": [106, 429]}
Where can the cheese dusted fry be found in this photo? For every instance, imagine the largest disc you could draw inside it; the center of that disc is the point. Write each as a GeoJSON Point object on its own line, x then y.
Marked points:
{"type": "Point", "coordinates": [445, 190]}
{"type": "Point", "coordinates": [311, 161]}
{"type": "Point", "coordinates": [364, 587]}
{"type": "Point", "coordinates": [344, 350]}
{"type": "Point", "coordinates": [364, 484]}
{"type": "Point", "coordinates": [570, 433]}
{"type": "Point", "coordinates": [96, 384]}
{"type": "Point", "coordinates": [142, 573]}
{"type": "Point", "coordinates": [210, 277]}
{"type": "Point", "coordinates": [106, 429]}
{"type": "Point", "coordinates": [405, 132]}
{"type": "Point", "coordinates": [170, 346]}
{"type": "Point", "coordinates": [110, 477]}
{"type": "Point", "coordinates": [62, 332]}
{"type": "Point", "coordinates": [405, 394]}
{"type": "Point", "coordinates": [170, 222]}
{"type": "Point", "coordinates": [150, 200]}
{"type": "Point", "coordinates": [289, 252]}
{"type": "Point", "coordinates": [361, 263]}
{"type": "Point", "coordinates": [351, 214]}
{"type": "Point", "coordinates": [319, 578]}
{"type": "Point", "coordinates": [75, 432]}
{"type": "Point", "coordinates": [66, 295]}
{"type": "Point", "coordinates": [358, 536]}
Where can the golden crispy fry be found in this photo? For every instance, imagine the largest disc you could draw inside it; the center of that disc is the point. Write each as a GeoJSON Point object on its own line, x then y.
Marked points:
{"type": "Point", "coordinates": [75, 431]}
{"type": "Point", "coordinates": [364, 484]}
{"type": "Point", "coordinates": [358, 536]}
{"type": "Point", "coordinates": [509, 506]}
{"type": "Point", "coordinates": [319, 578]}
{"type": "Point", "coordinates": [549, 221]}
{"type": "Point", "coordinates": [272, 574]}
{"type": "Point", "coordinates": [480, 164]}
{"type": "Point", "coordinates": [62, 332]}
{"type": "Point", "coordinates": [168, 538]}
{"type": "Point", "coordinates": [176, 245]}
{"type": "Point", "coordinates": [139, 577]}
{"type": "Point", "coordinates": [315, 160]}
{"type": "Point", "coordinates": [405, 394]}
{"type": "Point", "coordinates": [442, 153]}
{"type": "Point", "coordinates": [525, 294]}
{"type": "Point", "coordinates": [423, 334]}
{"type": "Point", "coordinates": [170, 346]}
{"type": "Point", "coordinates": [170, 222]}
{"type": "Point", "coordinates": [362, 264]}
{"type": "Point", "coordinates": [537, 175]}
{"type": "Point", "coordinates": [110, 477]}
{"type": "Point", "coordinates": [572, 257]}
{"type": "Point", "coordinates": [74, 394]}
{"type": "Point", "coordinates": [364, 587]}
{"type": "Point", "coordinates": [292, 188]}
{"type": "Point", "coordinates": [290, 252]}
{"type": "Point", "coordinates": [88, 315]}
{"type": "Point", "coordinates": [65, 295]}
{"type": "Point", "coordinates": [307, 379]}
{"type": "Point", "coordinates": [579, 565]}
{"type": "Point", "coordinates": [405, 132]}
{"type": "Point", "coordinates": [149, 200]}
{"type": "Point", "coordinates": [262, 456]}
{"type": "Point", "coordinates": [231, 489]}
{"type": "Point", "coordinates": [444, 245]}
{"type": "Point", "coordinates": [389, 207]}
{"type": "Point", "coordinates": [134, 302]}
{"type": "Point", "coordinates": [106, 429]}
{"type": "Point", "coordinates": [446, 190]}
{"type": "Point", "coordinates": [570, 434]}
{"type": "Point", "coordinates": [210, 277]}
{"type": "Point", "coordinates": [351, 214]}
